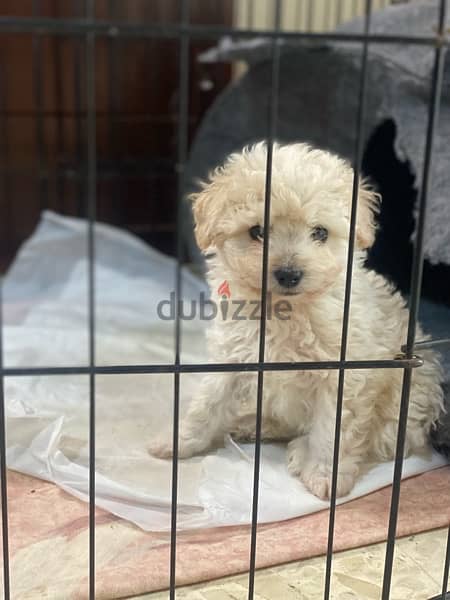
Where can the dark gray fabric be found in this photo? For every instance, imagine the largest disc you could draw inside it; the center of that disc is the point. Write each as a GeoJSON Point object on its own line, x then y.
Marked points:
{"type": "Point", "coordinates": [435, 319]}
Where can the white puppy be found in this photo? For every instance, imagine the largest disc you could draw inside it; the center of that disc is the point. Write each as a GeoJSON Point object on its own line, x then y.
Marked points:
{"type": "Point", "coordinates": [309, 229]}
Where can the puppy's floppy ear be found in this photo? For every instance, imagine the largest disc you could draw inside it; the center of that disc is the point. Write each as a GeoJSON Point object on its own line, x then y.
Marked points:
{"type": "Point", "coordinates": [208, 207]}
{"type": "Point", "coordinates": [368, 207]}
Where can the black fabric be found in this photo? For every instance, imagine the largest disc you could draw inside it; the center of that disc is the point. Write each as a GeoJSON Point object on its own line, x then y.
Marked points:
{"type": "Point", "coordinates": [392, 252]}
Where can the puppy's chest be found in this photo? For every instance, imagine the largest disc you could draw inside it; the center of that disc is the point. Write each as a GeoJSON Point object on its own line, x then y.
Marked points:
{"type": "Point", "coordinates": [289, 395]}
{"type": "Point", "coordinates": [294, 341]}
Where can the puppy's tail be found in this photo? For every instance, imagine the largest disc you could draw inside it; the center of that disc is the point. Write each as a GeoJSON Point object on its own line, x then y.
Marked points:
{"type": "Point", "coordinates": [440, 432]}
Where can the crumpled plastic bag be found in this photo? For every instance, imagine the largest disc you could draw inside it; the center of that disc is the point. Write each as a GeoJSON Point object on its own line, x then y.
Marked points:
{"type": "Point", "coordinates": [47, 417]}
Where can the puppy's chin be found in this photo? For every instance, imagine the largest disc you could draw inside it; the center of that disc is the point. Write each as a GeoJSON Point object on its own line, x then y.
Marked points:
{"type": "Point", "coordinates": [287, 292]}
{"type": "Point", "coordinates": [298, 295]}
{"type": "Point", "coordinates": [276, 292]}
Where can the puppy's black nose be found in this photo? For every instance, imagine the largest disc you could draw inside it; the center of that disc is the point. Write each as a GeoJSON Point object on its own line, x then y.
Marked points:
{"type": "Point", "coordinates": [288, 278]}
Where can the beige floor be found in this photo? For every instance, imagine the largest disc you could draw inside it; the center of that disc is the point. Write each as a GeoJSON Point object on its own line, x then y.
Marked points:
{"type": "Point", "coordinates": [357, 575]}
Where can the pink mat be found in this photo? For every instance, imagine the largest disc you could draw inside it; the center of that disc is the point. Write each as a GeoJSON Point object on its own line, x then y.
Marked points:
{"type": "Point", "coordinates": [49, 539]}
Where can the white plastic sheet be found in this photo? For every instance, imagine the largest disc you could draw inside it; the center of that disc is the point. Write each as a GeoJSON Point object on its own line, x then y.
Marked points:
{"type": "Point", "coordinates": [47, 417]}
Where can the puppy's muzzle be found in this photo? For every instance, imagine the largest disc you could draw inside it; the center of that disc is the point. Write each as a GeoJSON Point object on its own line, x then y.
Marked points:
{"type": "Point", "coordinates": [288, 278]}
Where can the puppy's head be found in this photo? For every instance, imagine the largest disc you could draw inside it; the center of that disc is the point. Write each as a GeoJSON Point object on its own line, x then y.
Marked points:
{"type": "Point", "coordinates": [311, 195]}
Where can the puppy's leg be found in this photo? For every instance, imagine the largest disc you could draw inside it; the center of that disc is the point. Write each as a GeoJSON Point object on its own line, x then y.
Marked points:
{"type": "Point", "coordinates": [311, 457]}
{"type": "Point", "coordinates": [204, 423]}
{"type": "Point", "coordinates": [297, 452]}
{"type": "Point", "coordinates": [425, 404]}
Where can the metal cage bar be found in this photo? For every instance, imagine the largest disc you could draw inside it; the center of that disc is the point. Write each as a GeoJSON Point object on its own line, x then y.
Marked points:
{"type": "Point", "coordinates": [311, 15]}
{"type": "Point", "coordinates": [182, 149]}
{"type": "Point", "coordinates": [398, 363]}
{"type": "Point", "coordinates": [339, 12]}
{"type": "Point", "coordinates": [298, 11]}
{"type": "Point", "coordinates": [57, 67]}
{"type": "Point", "coordinates": [249, 14]}
{"type": "Point", "coordinates": [3, 472]}
{"type": "Point", "coordinates": [76, 27]}
{"type": "Point", "coordinates": [359, 149]}
{"type": "Point", "coordinates": [272, 128]}
{"type": "Point", "coordinates": [4, 149]}
{"type": "Point", "coordinates": [91, 215]}
{"type": "Point", "coordinates": [80, 184]}
{"type": "Point", "coordinates": [114, 62]}
{"type": "Point", "coordinates": [38, 102]}
{"type": "Point", "coordinates": [332, 14]}
{"type": "Point", "coordinates": [416, 283]}
{"type": "Point", "coordinates": [4, 182]}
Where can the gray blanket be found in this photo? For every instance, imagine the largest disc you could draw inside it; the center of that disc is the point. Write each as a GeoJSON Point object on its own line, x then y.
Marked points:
{"type": "Point", "coordinates": [435, 319]}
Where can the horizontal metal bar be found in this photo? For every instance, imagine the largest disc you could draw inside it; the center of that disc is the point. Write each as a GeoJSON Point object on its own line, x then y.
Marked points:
{"type": "Point", "coordinates": [443, 343]}
{"type": "Point", "coordinates": [173, 30]}
{"type": "Point", "coordinates": [400, 363]}
{"type": "Point", "coordinates": [122, 172]}
{"type": "Point", "coordinates": [120, 115]}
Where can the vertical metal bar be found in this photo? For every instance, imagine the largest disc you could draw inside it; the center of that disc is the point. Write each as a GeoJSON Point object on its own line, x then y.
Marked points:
{"type": "Point", "coordinates": [446, 568]}
{"type": "Point", "coordinates": [3, 472]}
{"type": "Point", "coordinates": [114, 106]}
{"type": "Point", "coordinates": [277, 13]}
{"type": "Point", "coordinates": [60, 145]}
{"type": "Point", "coordinates": [91, 214]}
{"type": "Point", "coordinates": [183, 140]}
{"type": "Point", "coordinates": [272, 128]}
{"type": "Point", "coordinates": [298, 14]}
{"type": "Point", "coordinates": [339, 12]}
{"type": "Point", "coordinates": [78, 50]}
{"type": "Point", "coordinates": [331, 21]}
{"type": "Point", "coordinates": [38, 103]}
{"type": "Point", "coordinates": [359, 147]}
{"type": "Point", "coordinates": [310, 17]}
{"type": "Point", "coordinates": [4, 485]}
{"type": "Point", "coordinates": [250, 13]}
{"type": "Point", "coordinates": [416, 284]}
{"type": "Point", "coordinates": [8, 239]}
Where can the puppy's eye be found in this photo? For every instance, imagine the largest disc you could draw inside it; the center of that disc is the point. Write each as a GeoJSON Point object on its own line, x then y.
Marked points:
{"type": "Point", "coordinates": [319, 234]}
{"type": "Point", "coordinates": [256, 233]}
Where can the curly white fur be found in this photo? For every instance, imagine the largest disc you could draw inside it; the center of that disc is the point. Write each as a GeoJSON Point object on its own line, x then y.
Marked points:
{"type": "Point", "coordinates": [310, 188]}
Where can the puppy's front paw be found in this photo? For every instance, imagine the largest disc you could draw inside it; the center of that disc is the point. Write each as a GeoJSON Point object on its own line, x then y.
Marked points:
{"type": "Point", "coordinates": [317, 477]}
{"type": "Point", "coordinates": [161, 446]}
{"type": "Point", "coordinates": [296, 455]}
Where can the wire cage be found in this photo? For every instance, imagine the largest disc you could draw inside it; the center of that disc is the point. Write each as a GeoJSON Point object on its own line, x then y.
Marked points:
{"type": "Point", "coordinates": [83, 172]}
